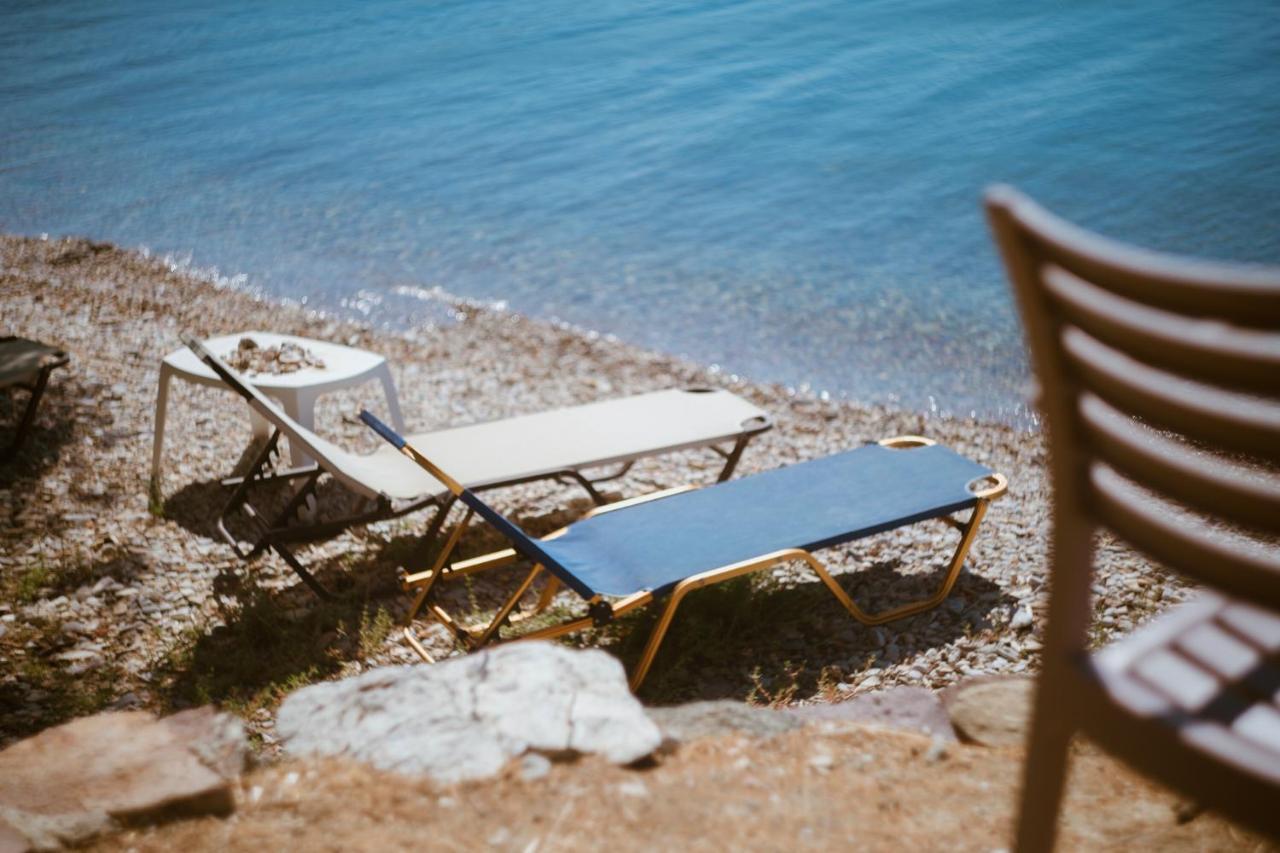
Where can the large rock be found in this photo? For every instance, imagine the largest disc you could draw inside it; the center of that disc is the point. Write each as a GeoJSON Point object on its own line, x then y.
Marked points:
{"type": "Point", "coordinates": [71, 782]}
{"type": "Point", "coordinates": [992, 711]}
{"type": "Point", "coordinates": [682, 723]}
{"type": "Point", "coordinates": [915, 709]}
{"type": "Point", "coordinates": [465, 718]}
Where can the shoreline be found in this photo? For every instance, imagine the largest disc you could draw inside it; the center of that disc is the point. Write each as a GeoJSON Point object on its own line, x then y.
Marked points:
{"type": "Point", "coordinates": [108, 605]}
{"type": "Point", "coordinates": [445, 306]}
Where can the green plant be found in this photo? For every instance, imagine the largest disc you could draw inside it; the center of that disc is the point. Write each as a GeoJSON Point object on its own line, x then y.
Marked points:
{"type": "Point", "coordinates": [374, 632]}
{"type": "Point", "coordinates": [30, 582]}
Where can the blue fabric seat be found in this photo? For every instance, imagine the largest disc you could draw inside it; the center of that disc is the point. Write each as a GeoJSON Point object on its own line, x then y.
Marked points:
{"type": "Point", "coordinates": [809, 505]}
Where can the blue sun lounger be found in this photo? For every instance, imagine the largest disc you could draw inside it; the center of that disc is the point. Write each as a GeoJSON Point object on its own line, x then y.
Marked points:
{"type": "Point", "coordinates": [626, 555]}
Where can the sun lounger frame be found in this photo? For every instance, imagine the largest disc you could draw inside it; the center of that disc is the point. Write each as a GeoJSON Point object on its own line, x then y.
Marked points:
{"type": "Point", "coordinates": [36, 388]}
{"type": "Point", "coordinates": [289, 527]}
{"type": "Point", "coordinates": [600, 611]}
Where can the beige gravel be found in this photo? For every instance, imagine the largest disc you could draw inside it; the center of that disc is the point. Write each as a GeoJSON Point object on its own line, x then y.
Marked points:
{"type": "Point", "coordinates": [103, 603]}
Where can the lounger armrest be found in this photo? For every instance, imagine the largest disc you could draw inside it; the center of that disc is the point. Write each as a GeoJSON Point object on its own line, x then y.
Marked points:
{"type": "Point", "coordinates": [387, 433]}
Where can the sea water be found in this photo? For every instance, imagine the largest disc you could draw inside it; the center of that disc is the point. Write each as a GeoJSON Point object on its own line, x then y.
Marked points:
{"type": "Point", "coordinates": [786, 189]}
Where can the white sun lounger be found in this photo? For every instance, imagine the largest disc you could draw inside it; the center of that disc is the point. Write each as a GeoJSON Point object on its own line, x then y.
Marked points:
{"type": "Point", "coordinates": [558, 444]}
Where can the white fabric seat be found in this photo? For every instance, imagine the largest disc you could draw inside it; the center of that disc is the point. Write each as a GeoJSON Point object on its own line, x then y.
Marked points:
{"type": "Point", "coordinates": [486, 455]}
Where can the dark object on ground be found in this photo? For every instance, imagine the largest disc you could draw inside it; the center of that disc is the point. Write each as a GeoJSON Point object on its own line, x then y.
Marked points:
{"type": "Point", "coordinates": [26, 364]}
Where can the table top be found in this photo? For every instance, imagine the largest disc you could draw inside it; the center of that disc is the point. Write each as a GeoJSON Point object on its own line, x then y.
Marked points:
{"type": "Point", "coordinates": [341, 363]}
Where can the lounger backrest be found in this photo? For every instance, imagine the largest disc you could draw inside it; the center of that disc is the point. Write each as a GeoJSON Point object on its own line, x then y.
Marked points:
{"type": "Point", "coordinates": [521, 541]}
{"type": "Point", "coordinates": [342, 465]}
{"type": "Point", "coordinates": [1161, 385]}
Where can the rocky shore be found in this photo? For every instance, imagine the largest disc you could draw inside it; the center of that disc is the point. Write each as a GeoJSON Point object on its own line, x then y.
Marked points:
{"type": "Point", "coordinates": [111, 600]}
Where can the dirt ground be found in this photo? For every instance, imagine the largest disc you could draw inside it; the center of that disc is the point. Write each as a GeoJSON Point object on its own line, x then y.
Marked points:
{"type": "Point", "coordinates": [810, 789]}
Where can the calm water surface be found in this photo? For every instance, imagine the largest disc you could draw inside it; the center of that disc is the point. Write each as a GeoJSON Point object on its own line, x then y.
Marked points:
{"type": "Point", "coordinates": [788, 189]}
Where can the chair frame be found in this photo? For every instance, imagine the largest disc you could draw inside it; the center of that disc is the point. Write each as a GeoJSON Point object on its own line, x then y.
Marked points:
{"type": "Point", "coordinates": [36, 388]}
{"type": "Point", "coordinates": [601, 612]}
{"type": "Point", "coordinates": [1118, 334]}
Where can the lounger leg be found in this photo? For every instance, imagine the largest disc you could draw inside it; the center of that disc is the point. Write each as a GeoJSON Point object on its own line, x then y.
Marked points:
{"type": "Point", "coordinates": [969, 532]}
{"type": "Point", "coordinates": [731, 460]}
{"type": "Point", "coordinates": [298, 499]}
{"type": "Point", "coordinates": [305, 491]}
{"type": "Point", "coordinates": [29, 416]}
{"type": "Point", "coordinates": [237, 499]}
{"type": "Point", "coordinates": [428, 580]}
{"type": "Point", "coordinates": [298, 569]}
{"type": "Point", "coordinates": [545, 598]}
{"type": "Point", "coordinates": [658, 633]}
{"type": "Point", "coordinates": [157, 439]}
{"type": "Point", "coordinates": [472, 636]}
{"type": "Point", "coordinates": [586, 484]}
{"type": "Point", "coordinates": [505, 610]}
{"type": "Point", "coordinates": [425, 543]}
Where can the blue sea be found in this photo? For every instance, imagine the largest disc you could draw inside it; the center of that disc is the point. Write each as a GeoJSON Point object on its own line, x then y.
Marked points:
{"type": "Point", "coordinates": [786, 189]}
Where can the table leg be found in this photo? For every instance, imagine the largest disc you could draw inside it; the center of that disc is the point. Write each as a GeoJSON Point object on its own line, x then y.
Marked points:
{"type": "Point", "coordinates": [260, 426]}
{"type": "Point", "coordinates": [157, 441]}
{"type": "Point", "coordinates": [301, 406]}
{"type": "Point", "coordinates": [393, 398]}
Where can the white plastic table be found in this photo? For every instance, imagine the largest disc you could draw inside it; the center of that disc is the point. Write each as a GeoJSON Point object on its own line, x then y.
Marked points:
{"type": "Point", "coordinates": [296, 392]}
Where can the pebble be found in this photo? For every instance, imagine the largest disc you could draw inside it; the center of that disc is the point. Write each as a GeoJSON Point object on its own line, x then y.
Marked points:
{"type": "Point", "coordinates": [488, 364]}
{"type": "Point", "coordinates": [534, 766]}
{"type": "Point", "coordinates": [633, 788]}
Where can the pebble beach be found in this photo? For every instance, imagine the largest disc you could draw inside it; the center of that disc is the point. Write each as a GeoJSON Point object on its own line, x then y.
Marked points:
{"type": "Point", "coordinates": [112, 599]}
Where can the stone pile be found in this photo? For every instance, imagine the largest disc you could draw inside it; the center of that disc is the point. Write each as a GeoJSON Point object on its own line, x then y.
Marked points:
{"type": "Point", "coordinates": [286, 357]}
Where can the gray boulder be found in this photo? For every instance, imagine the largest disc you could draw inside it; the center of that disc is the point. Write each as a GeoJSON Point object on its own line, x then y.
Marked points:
{"type": "Point", "coordinates": [684, 723]}
{"type": "Point", "coordinates": [465, 718]}
{"type": "Point", "coordinates": [992, 710]}
{"type": "Point", "coordinates": [916, 709]}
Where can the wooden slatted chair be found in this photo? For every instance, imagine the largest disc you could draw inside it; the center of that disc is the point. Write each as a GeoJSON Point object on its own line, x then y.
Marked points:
{"type": "Point", "coordinates": [1160, 389]}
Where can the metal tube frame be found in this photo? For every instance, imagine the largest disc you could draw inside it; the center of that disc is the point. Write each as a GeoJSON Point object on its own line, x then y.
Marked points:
{"type": "Point", "coordinates": [36, 390]}
{"type": "Point", "coordinates": [476, 636]}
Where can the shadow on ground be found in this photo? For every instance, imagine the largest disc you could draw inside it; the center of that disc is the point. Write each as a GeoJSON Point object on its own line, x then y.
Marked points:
{"type": "Point", "coordinates": [270, 643]}
{"type": "Point", "coordinates": [68, 413]}
{"type": "Point", "coordinates": [46, 690]}
{"type": "Point", "coordinates": [755, 638]}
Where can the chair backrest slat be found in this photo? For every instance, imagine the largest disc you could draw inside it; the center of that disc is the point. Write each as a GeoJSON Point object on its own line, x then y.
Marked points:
{"type": "Point", "coordinates": [1203, 349]}
{"type": "Point", "coordinates": [1240, 294]}
{"type": "Point", "coordinates": [1232, 491]}
{"type": "Point", "coordinates": [1200, 412]}
{"type": "Point", "coordinates": [1160, 373]}
{"type": "Point", "coordinates": [1186, 545]}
